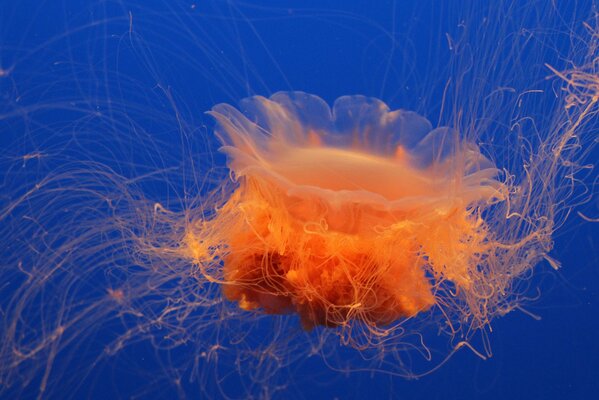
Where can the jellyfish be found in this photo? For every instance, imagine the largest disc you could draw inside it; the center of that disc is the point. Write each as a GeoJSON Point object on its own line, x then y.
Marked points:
{"type": "Point", "coordinates": [349, 213]}
{"type": "Point", "coordinates": [184, 218]}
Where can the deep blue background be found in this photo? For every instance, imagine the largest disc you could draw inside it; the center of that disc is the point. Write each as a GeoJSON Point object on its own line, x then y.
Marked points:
{"type": "Point", "coordinates": [214, 51]}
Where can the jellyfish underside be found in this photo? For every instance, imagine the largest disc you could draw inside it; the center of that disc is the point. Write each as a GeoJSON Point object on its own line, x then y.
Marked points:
{"type": "Point", "coordinates": [349, 213]}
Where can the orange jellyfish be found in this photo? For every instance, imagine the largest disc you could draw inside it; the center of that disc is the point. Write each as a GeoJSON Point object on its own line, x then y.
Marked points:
{"type": "Point", "coordinates": [343, 214]}
{"type": "Point", "coordinates": [131, 253]}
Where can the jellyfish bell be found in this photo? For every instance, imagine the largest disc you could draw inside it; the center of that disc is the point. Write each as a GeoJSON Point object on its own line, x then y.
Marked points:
{"type": "Point", "coordinates": [343, 214]}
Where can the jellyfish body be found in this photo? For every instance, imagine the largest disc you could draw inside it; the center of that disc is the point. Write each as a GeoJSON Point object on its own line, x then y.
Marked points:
{"type": "Point", "coordinates": [353, 213]}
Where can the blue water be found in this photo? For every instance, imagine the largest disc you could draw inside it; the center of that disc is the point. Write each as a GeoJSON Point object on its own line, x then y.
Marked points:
{"type": "Point", "coordinates": [152, 68]}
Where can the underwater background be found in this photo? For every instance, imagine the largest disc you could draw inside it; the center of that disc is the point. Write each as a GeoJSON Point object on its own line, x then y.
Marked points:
{"type": "Point", "coordinates": [142, 72]}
